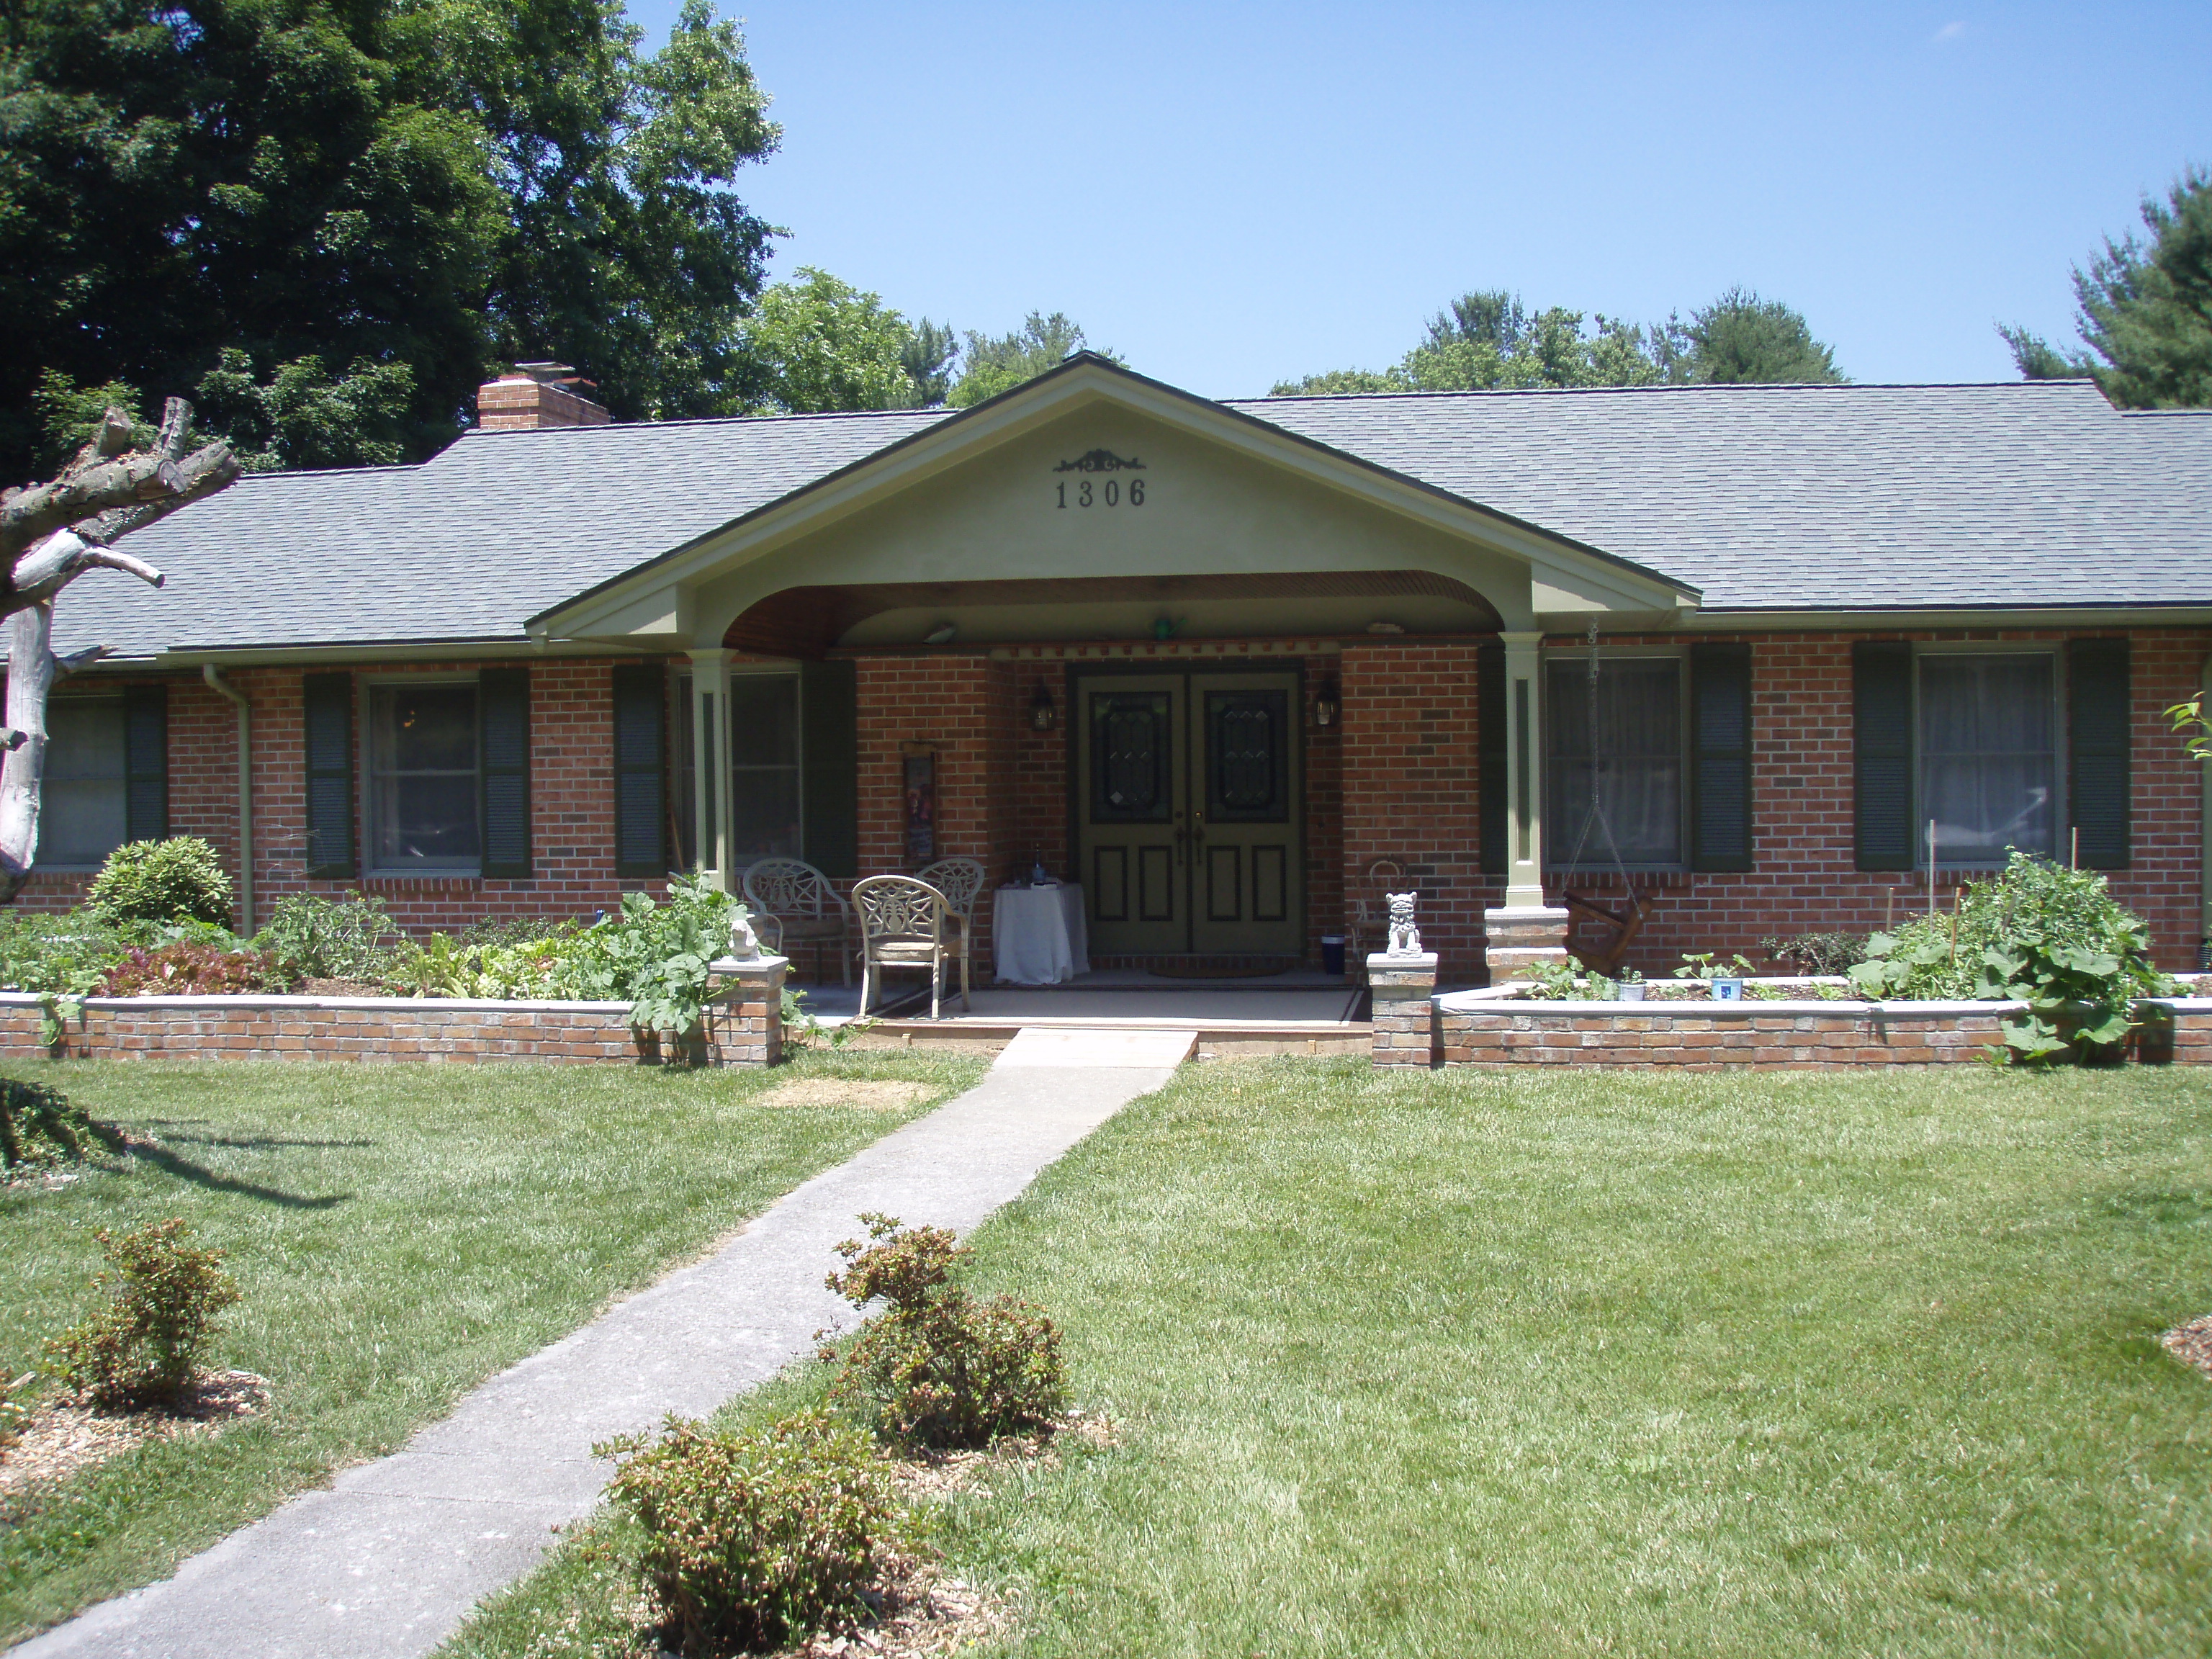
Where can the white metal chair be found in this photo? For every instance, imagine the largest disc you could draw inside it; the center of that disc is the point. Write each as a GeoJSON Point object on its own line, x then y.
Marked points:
{"type": "Point", "coordinates": [906, 923]}
{"type": "Point", "coordinates": [960, 880]}
{"type": "Point", "coordinates": [804, 908]}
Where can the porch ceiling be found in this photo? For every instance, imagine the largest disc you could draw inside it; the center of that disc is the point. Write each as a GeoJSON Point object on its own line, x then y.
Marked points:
{"type": "Point", "coordinates": [808, 622]}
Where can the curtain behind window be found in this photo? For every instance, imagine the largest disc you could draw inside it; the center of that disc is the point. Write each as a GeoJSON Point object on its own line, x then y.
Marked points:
{"type": "Point", "coordinates": [1638, 761]}
{"type": "Point", "coordinates": [1988, 756]}
{"type": "Point", "coordinates": [765, 811]}
{"type": "Point", "coordinates": [83, 812]}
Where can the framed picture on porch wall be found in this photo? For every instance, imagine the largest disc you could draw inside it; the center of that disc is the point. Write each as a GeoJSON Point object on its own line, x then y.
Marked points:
{"type": "Point", "coordinates": [921, 786]}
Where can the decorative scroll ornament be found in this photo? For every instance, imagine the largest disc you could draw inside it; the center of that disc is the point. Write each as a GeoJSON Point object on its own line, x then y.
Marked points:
{"type": "Point", "coordinates": [1100, 460]}
{"type": "Point", "coordinates": [1404, 937]}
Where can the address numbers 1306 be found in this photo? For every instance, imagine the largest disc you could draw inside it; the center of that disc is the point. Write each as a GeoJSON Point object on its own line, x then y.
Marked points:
{"type": "Point", "coordinates": [1109, 494]}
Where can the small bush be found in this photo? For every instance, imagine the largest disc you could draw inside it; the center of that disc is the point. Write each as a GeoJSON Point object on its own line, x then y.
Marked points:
{"type": "Point", "coordinates": [145, 1345]}
{"type": "Point", "coordinates": [187, 969]}
{"type": "Point", "coordinates": [38, 1127]}
{"type": "Point", "coordinates": [754, 1536]}
{"type": "Point", "coordinates": [1818, 953]}
{"type": "Point", "coordinates": [179, 879]}
{"type": "Point", "coordinates": [315, 938]}
{"type": "Point", "coordinates": [937, 1368]}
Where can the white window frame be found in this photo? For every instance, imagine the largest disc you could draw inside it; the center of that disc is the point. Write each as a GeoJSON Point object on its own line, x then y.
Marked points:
{"type": "Point", "coordinates": [764, 670]}
{"type": "Point", "coordinates": [1558, 841]}
{"type": "Point", "coordinates": [366, 828]}
{"type": "Point", "coordinates": [2061, 810]}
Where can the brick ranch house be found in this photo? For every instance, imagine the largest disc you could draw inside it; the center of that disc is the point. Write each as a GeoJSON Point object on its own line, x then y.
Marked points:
{"type": "Point", "coordinates": [1228, 665]}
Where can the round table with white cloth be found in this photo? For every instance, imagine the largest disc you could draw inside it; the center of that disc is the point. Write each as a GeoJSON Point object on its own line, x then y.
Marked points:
{"type": "Point", "coordinates": [1037, 934]}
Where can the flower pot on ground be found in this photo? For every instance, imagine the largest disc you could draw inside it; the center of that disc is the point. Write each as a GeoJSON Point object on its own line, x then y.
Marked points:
{"type": "Point", "coordinates": [1632, 990]}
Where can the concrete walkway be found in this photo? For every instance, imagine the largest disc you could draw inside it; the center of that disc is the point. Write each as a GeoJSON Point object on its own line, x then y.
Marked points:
{"type": "Point", "coordinates": [386, 1561]}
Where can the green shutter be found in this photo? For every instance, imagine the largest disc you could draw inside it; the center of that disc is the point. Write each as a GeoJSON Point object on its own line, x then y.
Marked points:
{"type": "Point", "coordinates": [1491, 756]}
{"type": "Point", "coordinates": [503, 770]}
{"type": "Point", "coordinates": [1882, 746]}
{"type": "Point", "coordinates": [830, 750]}
{"type": "Point", "coordinates": [329, 721]}
{"type": "Point", "coordinates": [146, 763]}
{"type": "Point", "coordinates": [1720, 765]}
{"type": "Point", "coordinates": [2097, 697]}
{"type": "Point", "coordinates": [641, 705]}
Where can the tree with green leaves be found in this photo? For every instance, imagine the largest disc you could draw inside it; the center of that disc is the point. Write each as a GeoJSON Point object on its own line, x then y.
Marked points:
{"type": "Point", "coordinates": [328, 219]}
{"type": "Point", "coordinates": [996, 363]}
{"type": "Point", "coordinates": [1490, 341]}
{"type": "Point", "coordinates": [2145, 310]}
{"type": "Point", "coordinates": [823, 346]}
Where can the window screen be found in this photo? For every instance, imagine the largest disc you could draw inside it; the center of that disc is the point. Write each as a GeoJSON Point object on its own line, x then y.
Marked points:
{"type": "Point", "coordinates": [84, 805]}
{"type": "Point", "coordinates": [764, 814]}
{"type": "Point", "coordinates": [1636, 761]}
{"type": "Point", "coordinates": [422, 777]}
{"type": "Point", "coordinates": [1989, 764]}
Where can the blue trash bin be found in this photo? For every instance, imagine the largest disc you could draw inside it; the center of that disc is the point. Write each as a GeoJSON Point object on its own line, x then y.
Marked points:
{"type": "Point", "coordinates": [1331, 955]}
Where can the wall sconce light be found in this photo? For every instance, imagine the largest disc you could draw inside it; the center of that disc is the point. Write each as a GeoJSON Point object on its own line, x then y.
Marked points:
{"type": "Point", "coordinates": [1326, 704]}
{"type": "Point", "coordinates": [1041, 709]}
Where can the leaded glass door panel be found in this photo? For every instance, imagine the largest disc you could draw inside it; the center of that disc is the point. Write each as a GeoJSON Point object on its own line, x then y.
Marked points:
{"type": "Point", "coordinates": [1131, 810]}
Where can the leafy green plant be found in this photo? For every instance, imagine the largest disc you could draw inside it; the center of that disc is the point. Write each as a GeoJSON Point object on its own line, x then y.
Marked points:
{"type": "Point", "coordinates": [1818, 953]}
{"type": "Point", "coordinates": [1570, 981]}
{"type": "Point", "coordinates": [39, 1126]}
{"type": "Point", "coordinates": [656, 954]}
{"type": "Point", "coordinates": [2190, 717]}
{"type": "Point", "coordinates": [179, 879]}
{"type": "Point", "coordinates": [316, 937]}
{"type": "Point", "coordinates": [145, 1345]}
{"type": "Point", "coordinates": [938, 1368]}
{"type": "Point", "coordinates": [757, 1536]}
{"type": "Point", "coordinates": [188, 969]}
{"type": "Point", "coordinates": [2053, 938]}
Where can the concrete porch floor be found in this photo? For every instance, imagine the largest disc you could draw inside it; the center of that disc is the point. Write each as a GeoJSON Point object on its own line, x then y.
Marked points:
{"type": "Point", "coordinates": [1283, 1013]}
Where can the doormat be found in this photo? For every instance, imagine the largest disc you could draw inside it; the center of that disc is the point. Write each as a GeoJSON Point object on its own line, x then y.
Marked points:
{"type": "Point", "coordinates": [1216, 968]}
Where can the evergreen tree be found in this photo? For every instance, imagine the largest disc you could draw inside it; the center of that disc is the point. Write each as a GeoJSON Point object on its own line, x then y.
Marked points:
{"type": "Point", "coordinates": [2146, 312]}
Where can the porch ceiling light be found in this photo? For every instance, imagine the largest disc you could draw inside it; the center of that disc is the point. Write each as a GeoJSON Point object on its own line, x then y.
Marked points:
{"type": "Point", "coordinates": [1041, 711]}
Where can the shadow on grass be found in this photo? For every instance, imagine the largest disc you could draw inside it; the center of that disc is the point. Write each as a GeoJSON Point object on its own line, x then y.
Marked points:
{"type": "Point", "coordinates": [184, 1168]}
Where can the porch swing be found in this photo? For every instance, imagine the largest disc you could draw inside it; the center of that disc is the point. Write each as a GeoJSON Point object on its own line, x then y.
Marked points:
{"type": "Point", "coordinates": [1627, 921]}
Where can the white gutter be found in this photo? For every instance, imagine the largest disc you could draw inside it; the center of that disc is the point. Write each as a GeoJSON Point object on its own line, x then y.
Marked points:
{"type": "Point", "coordinates": [223, 689]}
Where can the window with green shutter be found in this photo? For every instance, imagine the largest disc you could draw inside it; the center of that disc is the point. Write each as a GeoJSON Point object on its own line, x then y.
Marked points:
{"type": "Point", "coordinates": [641, 704]}
{"type": "Point", "coordinates": [503, 776]}
{"type": "Point", "coordinates": [329, 722]}
{"type": "Point", "coordinates": [2098, 777]}
{"type": "Point", "coordinates": [1720, 759]}
{"type": "Point", "coordinates": [829, 762]}
{"type": "Point", "coordinates": [1881, 765]}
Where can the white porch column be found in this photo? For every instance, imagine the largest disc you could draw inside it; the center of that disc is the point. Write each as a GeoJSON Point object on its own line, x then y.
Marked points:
{"type": "Point", "coordinates": [710, 752]}
{"type": "Point", "coordinates": [1524, 932]}
{"type": "Point", "coordinates": [1524, 773]}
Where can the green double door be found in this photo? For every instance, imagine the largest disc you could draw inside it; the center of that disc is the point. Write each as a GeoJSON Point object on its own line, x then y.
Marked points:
{"type": "Point", "coordinates": [1189, 812]}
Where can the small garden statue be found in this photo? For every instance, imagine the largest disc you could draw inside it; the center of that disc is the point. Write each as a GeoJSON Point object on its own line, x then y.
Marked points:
{"type": "Point", "coordinates": [1404, 937]}
{"type": "Point", "coordinates": [744, 943]}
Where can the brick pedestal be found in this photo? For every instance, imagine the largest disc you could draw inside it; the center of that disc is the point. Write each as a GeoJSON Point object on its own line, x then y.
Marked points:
{"type": "Point", "coordinates": [745, 1010]}
{"type": "Point", "coordinates": [1405, 1017]}
{"type": "Point", "coordinates": [1518, 939]}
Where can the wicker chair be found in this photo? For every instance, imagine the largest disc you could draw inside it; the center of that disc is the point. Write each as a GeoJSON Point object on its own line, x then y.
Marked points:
{"type": "Point", "coordinates": [804, 908]}
{"type": "Point", "coordinates": [906, 923]}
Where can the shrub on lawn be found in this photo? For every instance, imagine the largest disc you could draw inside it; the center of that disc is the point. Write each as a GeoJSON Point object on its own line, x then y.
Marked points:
{"type": "Point", "coordinates": [39, 1126]}
{"type": "Point", "coordinates": [754, 1536]}
{"type": "Point", "coordinates": [179, 879]}
{"type": "Point", "coordinates": [315, 938]}
{"type": "Point", "coordinates": [2053, 937]}
{"type": "Point", "coordinates": [190, 969]}
{"type": "Point", "coordinates": [145, 1345]}
{"type": "Point", "coordinates": [938, 1368]}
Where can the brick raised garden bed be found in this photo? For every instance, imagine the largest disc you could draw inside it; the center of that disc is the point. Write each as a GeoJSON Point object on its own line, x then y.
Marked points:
{"type": "Point", "coordinates": [1499, 1027]}
{"type": "Point", "coordinates": [744, 1031]}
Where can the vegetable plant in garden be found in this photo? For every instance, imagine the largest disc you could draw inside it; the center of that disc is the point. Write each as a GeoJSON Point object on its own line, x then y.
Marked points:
{"type": "Point", "coordinates": [2053, 938]}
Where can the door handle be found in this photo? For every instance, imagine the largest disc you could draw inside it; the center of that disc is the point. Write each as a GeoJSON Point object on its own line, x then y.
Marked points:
{"type": "Point", "coordinates": [1197, 828]}
{"type": "Point", "coordinates": [1181, 838]}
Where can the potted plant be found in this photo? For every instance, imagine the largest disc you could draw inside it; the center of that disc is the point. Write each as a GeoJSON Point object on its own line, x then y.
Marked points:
{"type": "Point", "coordinates": [1631, 985]}
{"type": "Point", "coordinates": [1727, 982]}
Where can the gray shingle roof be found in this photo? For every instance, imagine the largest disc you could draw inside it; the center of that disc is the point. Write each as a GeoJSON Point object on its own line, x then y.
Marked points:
{"type": "Point", "coordinates": [1766, 497]}
{"type": "Point", "coordinates": [1824, 497]}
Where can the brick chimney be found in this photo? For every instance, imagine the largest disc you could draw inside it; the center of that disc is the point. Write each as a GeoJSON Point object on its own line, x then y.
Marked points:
{"type": "Point", "coordinates": [537, 395]}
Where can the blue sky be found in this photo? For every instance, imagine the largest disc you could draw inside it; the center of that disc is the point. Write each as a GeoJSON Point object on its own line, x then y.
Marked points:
{"type": "Point", "coordinates": [1229, 195]}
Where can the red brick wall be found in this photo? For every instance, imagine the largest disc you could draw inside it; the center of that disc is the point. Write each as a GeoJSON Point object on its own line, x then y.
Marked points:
{"type": "Point", "coordinates": [1409, 777]}
{"type": "Point", "coordinates": [572, 798]}
{"type": "Point", "coordinates": [1802, 808]}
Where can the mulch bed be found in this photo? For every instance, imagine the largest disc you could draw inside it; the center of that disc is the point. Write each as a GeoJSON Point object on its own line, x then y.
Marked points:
{"type": "Point", "coordinates": [66, 1436]}
{"type": "Point", "coordinates": [2191, 1343]}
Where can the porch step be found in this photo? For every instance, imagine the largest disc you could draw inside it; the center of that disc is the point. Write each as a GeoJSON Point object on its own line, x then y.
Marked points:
{"type": "Point", "coordinates": [1092, 1046]}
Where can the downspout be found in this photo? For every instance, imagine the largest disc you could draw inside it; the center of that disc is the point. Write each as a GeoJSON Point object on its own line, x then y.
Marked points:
{"type": "Point", "coordinates": [213, 676]}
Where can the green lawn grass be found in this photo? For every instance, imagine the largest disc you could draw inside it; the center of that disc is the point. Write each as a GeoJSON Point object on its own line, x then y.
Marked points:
{"type": "Point", "coordinates": [1459, 1364]}
{"type": "Point", "coordinates": [400, 1232]}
